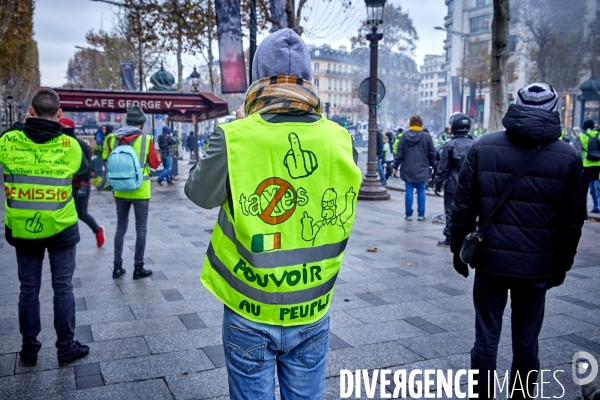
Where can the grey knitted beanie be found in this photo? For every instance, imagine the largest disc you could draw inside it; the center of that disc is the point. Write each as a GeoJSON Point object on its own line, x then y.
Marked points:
{"type": "Point", "coordinates": [135, 116]}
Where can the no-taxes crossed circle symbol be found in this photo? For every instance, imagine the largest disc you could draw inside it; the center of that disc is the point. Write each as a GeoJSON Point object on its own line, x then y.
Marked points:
{"type": "Point", "coordinates": [284, 186]}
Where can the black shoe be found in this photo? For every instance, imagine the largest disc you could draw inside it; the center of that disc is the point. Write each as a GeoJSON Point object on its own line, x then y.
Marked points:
{"type": "Point", "coordinates": [140, 272]}
{"type": "Point", "coordinates": [28, 360]}
{"type": "Point", "coordinates": [118, 271]}
{"type": "Point", "coordinates": [81, 350]}
{"type": "Point", "coordinates": [444, 243]}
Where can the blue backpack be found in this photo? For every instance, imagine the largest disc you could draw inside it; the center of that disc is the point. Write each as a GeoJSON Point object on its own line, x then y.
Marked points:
{"type": "Point", "coordinates": [124, 169]}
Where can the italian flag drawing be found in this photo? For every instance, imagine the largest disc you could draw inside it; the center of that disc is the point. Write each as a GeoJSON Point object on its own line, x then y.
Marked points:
{"type": "Point", "coordinates": [268, 242]}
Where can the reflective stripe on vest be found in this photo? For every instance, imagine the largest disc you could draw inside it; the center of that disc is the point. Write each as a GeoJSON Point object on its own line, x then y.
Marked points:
{"type": "Point", "coordinates": [277, 245]}
{"type": "Point", "coordinates": [37, 180]}
{"type": "Point", "coordinates": [300, 296]}
{"type": "Point", "coordinates": [38, 205]}
{"type": "Point", "coordinates": [281, 258]}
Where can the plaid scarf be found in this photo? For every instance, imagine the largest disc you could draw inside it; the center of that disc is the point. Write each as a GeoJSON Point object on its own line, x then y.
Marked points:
{"type": "Point", "coordinates": [282, 95]}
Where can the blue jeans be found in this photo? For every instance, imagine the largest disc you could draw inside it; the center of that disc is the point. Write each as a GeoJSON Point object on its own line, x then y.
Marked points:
{"type": "Point", "coordinates": [253, 352]}
{"type": "Point", "coordinates": [380, 169]}
{"type": "Point", "coordinates": [527, 302]}
{"type": "Point", "coordinates": [62, 266]}
{"type": "Point", "coordinates": [595, 193]}
{"type": "Point", "coordinates": [408, 198]}
{"type": "Point", "coordinates": [140, 209]}
{"type": "Point", "coordinates": [168, 165]}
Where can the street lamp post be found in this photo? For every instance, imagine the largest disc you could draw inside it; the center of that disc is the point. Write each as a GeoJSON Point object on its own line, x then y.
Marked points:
{"type": "Point", "coordinates": [464, 37]}
{"type": "Point", "coordinates": [195, 81]}
{"type": "Point", "coordinates": [371, 187]}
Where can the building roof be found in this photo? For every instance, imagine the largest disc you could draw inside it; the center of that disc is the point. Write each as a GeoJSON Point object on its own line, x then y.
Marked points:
{"type": "Point", "coordinates": [403, 61]}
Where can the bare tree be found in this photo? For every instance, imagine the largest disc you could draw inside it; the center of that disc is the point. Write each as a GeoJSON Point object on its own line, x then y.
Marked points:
{"type": "Point", "coordinates": [554, 31]}
{"type": "Point", "coordinates": [499, 70]}
{"type": "Point", "coordinates": [293, 12]}
{"type": "Point", "coordinates": [593, 44]}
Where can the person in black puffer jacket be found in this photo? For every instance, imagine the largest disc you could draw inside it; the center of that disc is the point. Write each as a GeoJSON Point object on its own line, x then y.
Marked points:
{"type": "Point", "coordinates": [532, 241]}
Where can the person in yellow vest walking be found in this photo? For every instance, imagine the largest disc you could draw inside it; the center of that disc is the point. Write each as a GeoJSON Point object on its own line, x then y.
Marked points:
{"type": "Point", "coordinates": [107, 146]}
{"type": "Point", "coordinates": [142, 143]}
{"type": "Point", "coordinates": [286, 181]}
{"type": "Point", "coordinates": [589, 144]}
{"type": "Point", "coordinates": [39, 163]}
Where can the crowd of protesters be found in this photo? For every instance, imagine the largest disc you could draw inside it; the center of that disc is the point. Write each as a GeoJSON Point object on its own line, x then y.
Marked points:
{"type": "Point", "coordinates": [520, 192]}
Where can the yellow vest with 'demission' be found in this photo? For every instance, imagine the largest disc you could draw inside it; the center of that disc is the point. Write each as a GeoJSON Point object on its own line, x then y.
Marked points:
{"type": "Point", "coordinates": [37, 184]}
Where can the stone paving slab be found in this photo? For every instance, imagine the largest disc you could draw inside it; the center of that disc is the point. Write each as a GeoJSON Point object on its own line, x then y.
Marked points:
{"type": "Point", "coordinates": [152, 389]}
{"type": "Point", "coordinates": [199, 385]}
{"type": "Point", "coordinates": [154, 366]}
{"type": "Point", "coordinates": [124, 329]}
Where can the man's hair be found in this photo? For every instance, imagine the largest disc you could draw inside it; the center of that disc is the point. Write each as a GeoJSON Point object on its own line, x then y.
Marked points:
{"type": "Point", "coordinates": [45, 103]}
{"type": "Point", "coordinates": [416, 120]}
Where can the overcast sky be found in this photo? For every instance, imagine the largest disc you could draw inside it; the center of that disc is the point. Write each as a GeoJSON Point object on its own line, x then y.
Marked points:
{"type": "Point", "coordinates": [60, 25]}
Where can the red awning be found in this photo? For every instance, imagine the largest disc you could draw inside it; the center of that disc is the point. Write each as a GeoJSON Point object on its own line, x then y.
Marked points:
{"type": "Point", "coordinates": [203, 105]}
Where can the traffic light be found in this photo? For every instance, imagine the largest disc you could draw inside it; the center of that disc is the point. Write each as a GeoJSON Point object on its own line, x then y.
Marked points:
{"type": "Point", "coordinates": [327, 108]}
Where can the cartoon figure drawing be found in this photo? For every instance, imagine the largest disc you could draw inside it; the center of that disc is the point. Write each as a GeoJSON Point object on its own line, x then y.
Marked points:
{"type": "Point", "coordinates": [299, 163]}
{"type": "Point", "coordinates": [331, 223]}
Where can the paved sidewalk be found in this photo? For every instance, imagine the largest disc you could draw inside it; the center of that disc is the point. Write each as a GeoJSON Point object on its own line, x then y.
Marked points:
{"type": "Point", "coordinates": [401, 307]}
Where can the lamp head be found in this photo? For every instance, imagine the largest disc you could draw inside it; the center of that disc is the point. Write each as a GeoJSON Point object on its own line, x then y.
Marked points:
{"type": "Point", "coordinates": [375, 11]}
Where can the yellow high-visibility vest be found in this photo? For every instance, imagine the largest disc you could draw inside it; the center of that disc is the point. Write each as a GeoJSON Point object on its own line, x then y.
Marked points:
{"type": "Point", "coordinates": [277, 246]}
{"type": "Point", "coordinates": [37, 184]}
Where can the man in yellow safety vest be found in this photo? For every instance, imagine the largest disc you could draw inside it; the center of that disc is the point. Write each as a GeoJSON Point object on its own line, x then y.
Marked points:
{"type": "Point", "coordinates": [39, 162]}
{"type": "Point", "coordinates": [286, 180]}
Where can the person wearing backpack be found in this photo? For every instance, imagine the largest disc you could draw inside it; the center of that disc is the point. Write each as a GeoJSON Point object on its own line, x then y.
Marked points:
{"type": "Point", "coordinates": [590, 152]}
{"type": "Point", "coordinates": [132, 186]}
{"type": "Point", "coordinates": [166, 142]}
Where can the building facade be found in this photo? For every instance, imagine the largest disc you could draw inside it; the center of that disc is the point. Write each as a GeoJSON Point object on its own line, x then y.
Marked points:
{"type": "Point", "coordinates": [433, 89]}
{"type": "Point", "coordinates": [473, 18]}
{"type": "Point", "coordinates": [338, 73]}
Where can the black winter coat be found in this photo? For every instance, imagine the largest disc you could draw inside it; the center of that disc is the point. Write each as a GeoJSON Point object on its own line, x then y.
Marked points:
{"type": "Point", "coordinates": [535, 233]}
{"type": "Point", "coordinates": [379, 144]}
{"type": "Point", "coordinates": [454, 154]}
{"type": "Point", "coordinates": [416, 155]}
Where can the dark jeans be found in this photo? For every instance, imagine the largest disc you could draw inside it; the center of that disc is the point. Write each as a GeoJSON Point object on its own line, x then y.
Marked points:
{"type": "Point", "coordinates": [389, 169]}
{"type": "Point", "coordinates": [527, 314]}
{"type": "Point", "coordinates": [62, 266]}
{"type": "Point", "coordinates": [448, 198]}
{"type": "Point", "coordinates": [166, 173]}
{"type": "Point", "coordinates": [82, 198]}
{"type": "Point", "coordinates": [140, 208]}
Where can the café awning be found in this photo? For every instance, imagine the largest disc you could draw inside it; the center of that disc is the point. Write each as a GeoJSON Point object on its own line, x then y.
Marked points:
{"type": "Point", "coordinates": [181, 106]}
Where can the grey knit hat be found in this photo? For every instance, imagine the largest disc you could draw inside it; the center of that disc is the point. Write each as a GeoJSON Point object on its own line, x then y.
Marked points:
{"type": "Point", "coordinates": [135, 116]}
{"type": "Point", "coordinates": [282, 53]}
{"type": "Point", "coordinates": [538, 95]}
